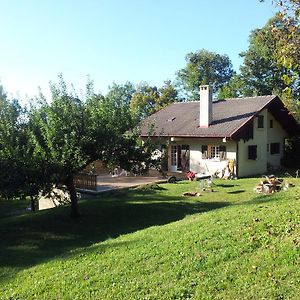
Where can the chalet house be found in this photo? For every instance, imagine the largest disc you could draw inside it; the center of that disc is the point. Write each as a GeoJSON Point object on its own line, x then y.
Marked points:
{"type": "Point", "coordinates": [247, 133]}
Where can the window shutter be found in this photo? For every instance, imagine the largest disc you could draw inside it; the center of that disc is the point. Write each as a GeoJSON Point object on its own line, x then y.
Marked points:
{"type": "Point", "coordinates": [204, 151]}
{"type": "Point", "coordinates": [222, 152]}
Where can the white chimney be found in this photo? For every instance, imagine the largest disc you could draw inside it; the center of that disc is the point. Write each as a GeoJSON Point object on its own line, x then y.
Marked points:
{"type": "Point", "coordinates": [205, 117]}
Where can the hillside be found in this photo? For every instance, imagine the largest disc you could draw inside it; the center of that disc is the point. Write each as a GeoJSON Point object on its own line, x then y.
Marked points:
{"type": "Point", "coordinates": [153, 243]}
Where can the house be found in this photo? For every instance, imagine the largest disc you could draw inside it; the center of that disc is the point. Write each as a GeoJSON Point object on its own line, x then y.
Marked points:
{"type": "Point", "coordinates": [246, 134]}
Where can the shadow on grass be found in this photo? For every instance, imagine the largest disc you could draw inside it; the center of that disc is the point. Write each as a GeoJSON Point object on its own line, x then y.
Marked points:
{"type": "Point", "coordinates": [237, 192]}
{"type": "Point", "coordinates": [32, 239]}
{"type": "Point", "coordinates": [265, 198]}
{"type": "Point", "coordinates": [226, 185]}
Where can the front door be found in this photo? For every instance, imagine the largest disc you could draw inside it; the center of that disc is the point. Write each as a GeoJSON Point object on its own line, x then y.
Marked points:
{"type": "Point", "coordinates": [180, 157]}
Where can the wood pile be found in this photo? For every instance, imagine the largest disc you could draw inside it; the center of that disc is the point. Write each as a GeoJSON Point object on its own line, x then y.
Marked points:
{"type": "Point", "coordinates": [271, 184]}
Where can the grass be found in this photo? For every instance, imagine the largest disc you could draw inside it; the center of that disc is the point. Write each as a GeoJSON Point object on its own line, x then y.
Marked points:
{"type": "Point", "coordinates": [153, 243]}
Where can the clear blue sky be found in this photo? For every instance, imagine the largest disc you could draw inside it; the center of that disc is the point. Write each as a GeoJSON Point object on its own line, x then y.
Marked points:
{"type": "Point", "coordinates": [135, 40]}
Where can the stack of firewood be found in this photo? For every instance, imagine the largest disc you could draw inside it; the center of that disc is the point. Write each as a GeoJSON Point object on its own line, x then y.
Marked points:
{"type": "Point", "coordinates": [271, 184]}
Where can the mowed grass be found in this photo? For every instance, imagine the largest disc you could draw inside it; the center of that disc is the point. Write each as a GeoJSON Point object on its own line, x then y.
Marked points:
{"type": "Point", "coordinates": [153, 243]}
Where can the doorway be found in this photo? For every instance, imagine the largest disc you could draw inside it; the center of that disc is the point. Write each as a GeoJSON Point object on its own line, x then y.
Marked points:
{"type": "Point", "coordinates": [180, 158]}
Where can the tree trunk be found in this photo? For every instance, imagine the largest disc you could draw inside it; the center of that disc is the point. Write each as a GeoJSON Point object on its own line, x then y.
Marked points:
{"type": "Point", "coordinates": [73, 196]}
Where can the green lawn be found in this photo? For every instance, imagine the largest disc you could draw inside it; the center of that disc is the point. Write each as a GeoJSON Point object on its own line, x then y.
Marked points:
{"type": "Point", "coordinates": [153, 243]}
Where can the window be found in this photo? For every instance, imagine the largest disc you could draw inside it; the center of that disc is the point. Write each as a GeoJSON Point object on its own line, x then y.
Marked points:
{"type": "Point", "coordinates": [252, 152]}
{"type": "Point", "coordinates": [275, 148]}
{"type": "Point", "coordinates": [213, 152]}
{"type": "Point", "coordinates": [173, 155]}
{"type": "Point", "coordinates": [260, 121]}
{"type": "Point", "coordinates": [271, 123]}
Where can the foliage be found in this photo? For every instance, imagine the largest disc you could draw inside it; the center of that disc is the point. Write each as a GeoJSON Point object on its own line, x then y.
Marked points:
{"type": "Point", "coordinates": [167, 95]}
{"type": "Point", "coordinates": [204, 67]}
{"type": "Point", "coordinates": [52, 142]}
{"type": "Point", "coordinates": [286, 35]}
{"type": "Point", "coordinates": [234, 88]}
{"type": "Point", "coordinates": [261, 74]}
{"type": "Point", "coordinates": [291, 157]}
{"type": "Point", "coordinates": [121, 93]}
{"type": "Point", "coordinates": [228, 244]}
{"type": "Point", "coordinates": [49, 144]}
{"type": "Point", "coordinates": [144, 100]}
{"type": "Point", "coordinates": [69, 133]}
{"type": "Point", "coordinates": [147, 99]}
{"type": "Point", "coordinates": [285, 49]}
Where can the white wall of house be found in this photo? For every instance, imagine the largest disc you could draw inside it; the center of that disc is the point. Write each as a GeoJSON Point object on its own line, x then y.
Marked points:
{"type": "Point", "coordinates": [211, 165]}
{"type": "Point", "coordinates": [247, 166]}
{"type": "Point", "coordinates": [197, 164]}
{"type": "Point", "coordinates": [261, 138]}
{"type": "Point", "coordinates": [275, 135]}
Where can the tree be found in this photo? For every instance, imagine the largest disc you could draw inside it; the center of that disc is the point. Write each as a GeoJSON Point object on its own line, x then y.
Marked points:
{"type": "Point", "coordinates": [144, 101]}
{"type": "Point", "coordinates": [52, 142]}
{"type": "Point", "coordinates": [121, 93]}
{"type": "Point", "coordinates": [149, 99]}
{"type": "Point", "coordinates": [117, 101]}
{"type": "Point", "coordinates": [236, 87]}
{"type": "Point", "coordinates": [167, 95]}
{"type": "Point", "coordinates": [70, 133]}
{"type": "Point", "coordinates": [260, 73]}
{"type": "Point", "coordinates": [286, 34]}
{"type": "Point", "coordinates": [204, 67]}
{"type": "Point", "coordinates": [16, 160]}
{"type": "Point", "coordinates": [285, 49]}
{"type": "Point", "coordinates": [11, 139]}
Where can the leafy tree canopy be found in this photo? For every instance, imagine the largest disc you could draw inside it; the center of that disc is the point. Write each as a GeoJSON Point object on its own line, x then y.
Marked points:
{"type": "Point", "coordinates": [69, 133]}
{"type": "Point", "coordinates": [149, 99]}
{"type": "Point", "coordinates": [204, 67]}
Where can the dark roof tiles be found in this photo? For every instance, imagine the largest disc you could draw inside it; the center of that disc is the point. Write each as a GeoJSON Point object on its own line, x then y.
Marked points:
{"type": "Point", "coordinates": [182, 118]}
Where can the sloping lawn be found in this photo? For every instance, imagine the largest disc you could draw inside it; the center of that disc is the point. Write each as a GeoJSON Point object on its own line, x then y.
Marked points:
{"type": "Point", "coordinates": [153, 243]}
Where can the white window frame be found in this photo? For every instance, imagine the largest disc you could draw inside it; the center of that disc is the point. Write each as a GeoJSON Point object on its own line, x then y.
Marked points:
{"type": "Point", "coordinates": [214, 152]}
{"type": "Point", "coordinates": [173, 155]}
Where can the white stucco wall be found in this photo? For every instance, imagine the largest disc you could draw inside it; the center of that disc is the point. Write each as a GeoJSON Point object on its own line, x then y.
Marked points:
{"type": "Point", "coordinates": [275, 135]}
{"type": "Point", "coordinates": [197, 163]}
{"type": "Point", "coordinates": [247, 166]}
{"type": "Point", "coordinates": [261, 137]}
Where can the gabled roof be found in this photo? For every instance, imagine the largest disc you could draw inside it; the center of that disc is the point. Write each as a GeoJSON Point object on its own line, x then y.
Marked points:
{"type": "Point", "coordinates": [230, 116]}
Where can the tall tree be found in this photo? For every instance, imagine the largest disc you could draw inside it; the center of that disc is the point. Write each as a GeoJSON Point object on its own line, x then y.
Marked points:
{"type": "Point", "coordinates": [121, 93]}
{"type": "Point", "coordinates": [117, 101]}
{"type": "Point", "coordinates": [286, 34]}
{"type": "Point", "coordinates": [69, 133]}
{"type": "Point", "coordinates": [10, 128]}
{"type": "Point", "coordinates": [167, 95]}
{"type": "Point", "coordinates": [204, 67]}
{"type": "Point", "coordinates": [285, 49]}
{"type": "Point", "coordinates": [144, 100]}
{"type": "Point", "coordinates": [16, 159]}
{"type": "Point", "coordinates": [60, 139]}
{"type": "Point", "coordinates": [260, 73]}
{"type": "Point", "coordinates": [236, 87]}
{"type": "Point", "coordinates": [149, 99]}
